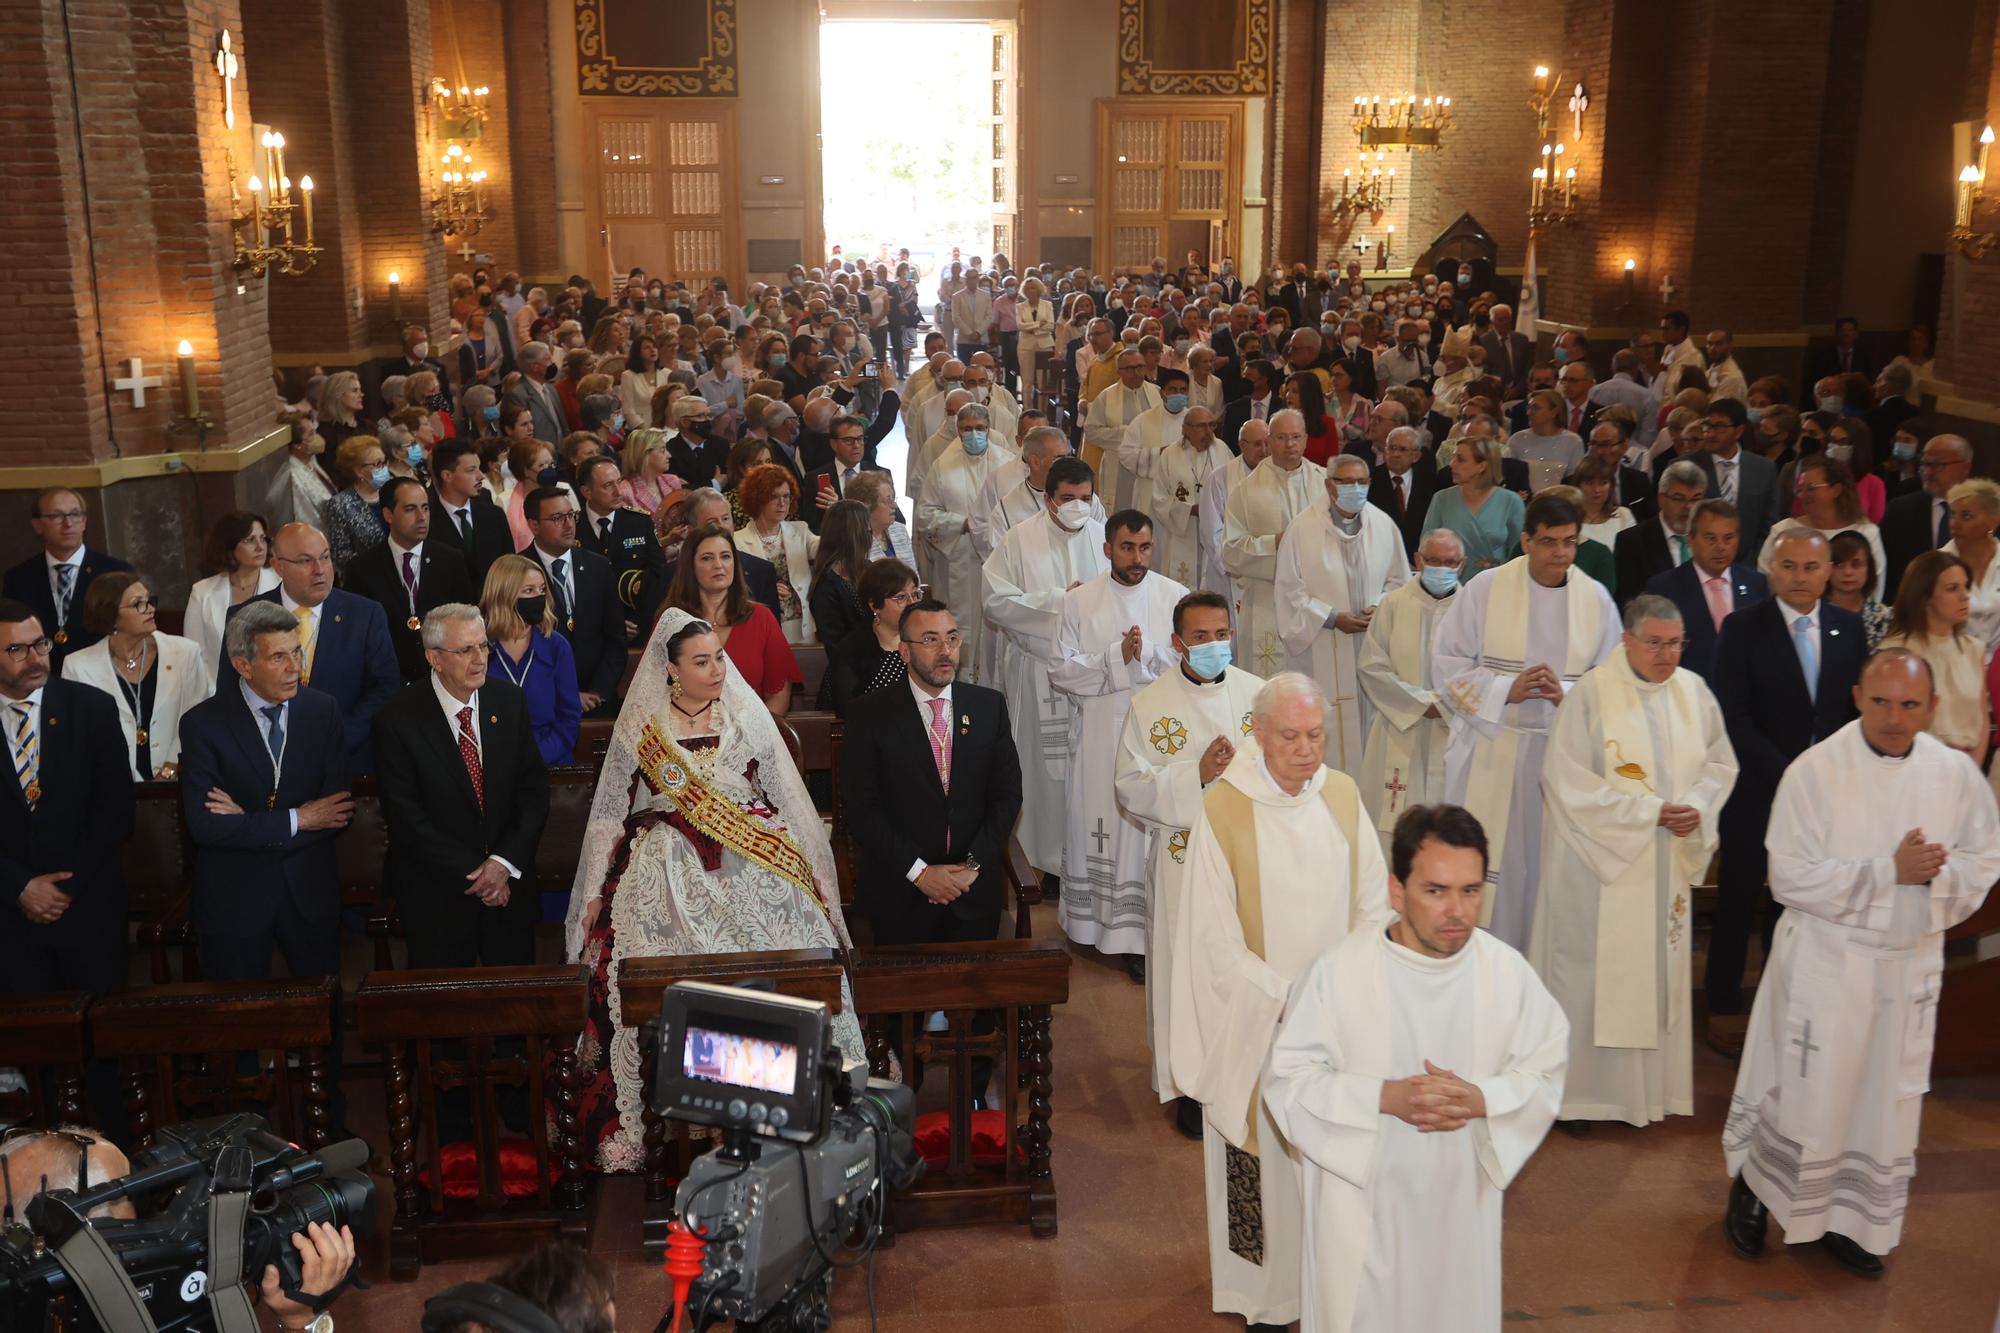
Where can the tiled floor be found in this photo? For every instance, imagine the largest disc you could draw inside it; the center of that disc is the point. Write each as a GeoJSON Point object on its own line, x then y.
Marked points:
{"type": "Point", "coordinates": [1616, 1231]}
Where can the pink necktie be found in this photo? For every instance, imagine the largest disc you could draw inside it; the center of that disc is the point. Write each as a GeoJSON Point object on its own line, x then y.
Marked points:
{"type": "Point", "coordinates": [1718, 600]}
{"type": "Point", "coordinates": [941, 753]}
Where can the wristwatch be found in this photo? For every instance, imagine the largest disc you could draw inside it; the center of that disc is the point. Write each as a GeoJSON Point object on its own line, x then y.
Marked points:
{"type": "Point", "coordinates": [972, 864]}
{"type": "Point", "coordinates": [322, 1323]}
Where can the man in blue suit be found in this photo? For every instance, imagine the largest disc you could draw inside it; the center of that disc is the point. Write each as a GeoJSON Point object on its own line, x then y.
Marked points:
{"type": "Point", "coordinates": [344, 639]}
{"type": "Point", "coordinates": [1712, 585]}
{"type": "Point", "coordinates": [264, 789]}
{"type": "Point", "coordinates": [1784, 673]}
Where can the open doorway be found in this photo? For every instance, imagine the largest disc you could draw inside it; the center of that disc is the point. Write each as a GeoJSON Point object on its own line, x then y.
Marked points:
{"type": "Point", "coordinates": [917, 139]}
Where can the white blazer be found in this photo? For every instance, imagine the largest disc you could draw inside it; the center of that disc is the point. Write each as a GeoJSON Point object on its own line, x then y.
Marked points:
{"type": "Point", "coordinates": [208, 607]}
{"type": "Point", "coordinates": [800, 547]}
{"type": "Point", "coordinates": [184, 681]}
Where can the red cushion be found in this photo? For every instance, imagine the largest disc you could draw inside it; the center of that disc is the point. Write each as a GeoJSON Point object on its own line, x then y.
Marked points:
{"type": "Point", "coordinates": [989, 1138]}
{"type": "Point", "coordinates": [461, 1169]}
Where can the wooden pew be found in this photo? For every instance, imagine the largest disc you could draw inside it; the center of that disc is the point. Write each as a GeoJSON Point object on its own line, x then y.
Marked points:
{"type": "Point", "coordinates": [592, 736]}
{"type": "Point", "coordinates": [896, 987]}
{"type": "Point", "coordinates": [182, 1044]}
{"type": "Point", "coordinates": [359, 853]}
{"type": "Point", "coordinates": [811, 658]}
{"type": "Point", "coordinates": [46, 1037]}
{"type": "Point", "coordinates": [807, 974]}
{"type": "Point", "coordinates": [413, 1014]}
{"type": "Point", "coordinates": [156, 859]}
{"type": "Point", "coordinates": [571, 790]}
{"type": "Point", "coordinates": [1968, 1040]}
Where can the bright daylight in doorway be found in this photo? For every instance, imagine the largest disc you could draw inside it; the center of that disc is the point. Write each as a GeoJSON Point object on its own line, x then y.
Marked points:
{"type": "Point", "coordinates": [907, 147]}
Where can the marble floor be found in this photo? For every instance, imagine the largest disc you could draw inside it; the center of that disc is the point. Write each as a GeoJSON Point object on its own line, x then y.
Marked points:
{"type": "Point", "coordinates": [1618, 1230]}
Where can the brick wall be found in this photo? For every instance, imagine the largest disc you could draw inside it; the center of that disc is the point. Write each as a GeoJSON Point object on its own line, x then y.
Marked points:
{"type": "Point", "coordinates": [1293, 110]}
{"type": "Point", "coordinates": [468, 49]}
{"type": "Point", "coordinates": [1969, 319]}
{"type": "Point", "coordinates": [528, 106]}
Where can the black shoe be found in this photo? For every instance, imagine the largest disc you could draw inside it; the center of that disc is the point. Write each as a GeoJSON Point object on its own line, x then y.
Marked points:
{"type": "Point", "coordinates": [1135, 967]}
{"type": "Point", "coordinates": [1051, 887]}
{"type": "Point", "coordinates": [1576, 1129]}
{"type": "Point", "coordinates": [1187, 1117]}
{"type": "Point", "coordinates": [1268, 1328]}
{"type": "Point", "coordinates": [1743, 1221]}
{"type": "Point", "coordinates": [1851, 1256]}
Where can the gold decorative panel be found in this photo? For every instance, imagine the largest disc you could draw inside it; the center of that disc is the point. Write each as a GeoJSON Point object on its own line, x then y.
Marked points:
{"type": "Point", "coordinates": [656, 48]}
{"type": "Point", "coordinates": [1179, 48]}
{"type": "Point", "coordinates": [625, 167]}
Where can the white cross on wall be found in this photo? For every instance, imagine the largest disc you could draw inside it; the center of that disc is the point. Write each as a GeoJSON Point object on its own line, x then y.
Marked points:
{"type": "Point", "coordinates": [1667, 289]}
{"type": "Point", "coordinates": [228, 67]}
{"type": "Point", "coordinates": [137, 382]}
{"type": "Point", "coordinates": [1579, 102]}
{"type": "Point", "coordinates": [465, 250]}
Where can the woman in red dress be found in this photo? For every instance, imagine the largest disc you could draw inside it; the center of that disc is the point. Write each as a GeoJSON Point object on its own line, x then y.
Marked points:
{"type": "Point", "coordinates": [708, 584]}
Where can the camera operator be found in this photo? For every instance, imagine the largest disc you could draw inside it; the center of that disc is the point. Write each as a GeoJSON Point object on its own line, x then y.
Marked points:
{"type": "Point", "coordinates": [79, 1158]}
{"type": "Point", "coordinates": [569, 1290]}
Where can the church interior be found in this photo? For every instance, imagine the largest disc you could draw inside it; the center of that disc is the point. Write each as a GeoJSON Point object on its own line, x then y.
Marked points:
{"type": "Point", "coordinates": [220, 206]}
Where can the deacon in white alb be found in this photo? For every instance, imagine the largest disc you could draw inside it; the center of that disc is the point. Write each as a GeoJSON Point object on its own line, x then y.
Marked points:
{"type": "Point", "coordinates": [1175, 474]}
{"type": "Point", "coordinates": [1025, 582]}
{"type": "Point", "coordinates": [937, 412]}
{"type": "Point", "coordinates": [1017, 492]}
{"type": "Point", "coordinates": [1115, 637]}
{"type": "Point", "coordinates": [1180, 734]}
{"type": "Point", "coordinates": [1514, 641]}
{"type": "Point", "coordinates": [1638, 768]}
{"type": "Point", "coordinates": [1253, 527]}
{"type": "Point", "coordinates": [1115, 408]}
{"type": "Point", "coordinates": [1254, 442]}
{"type": "Point", "coordinates": [1403, 765]}
{"type": "Point", "coordinates": [1882, 838]}
{"type": "Point", "coordinates": [925, 448]}
{"type": "Point", "coordinates": [1417, 1071]}
{"type": "Point", "coordinates": [1151, 431]}
{"type": "Point", "coordinates": [1337, 561]}
{"type": "Point", "coordinates": [944, 524]}
{"type": "Point", "coordinates": [1282, 866]}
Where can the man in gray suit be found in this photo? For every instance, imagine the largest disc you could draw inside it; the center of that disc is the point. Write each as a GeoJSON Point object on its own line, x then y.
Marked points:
{"type": "Point", "coordinates": [535, 391]}
{"type": "Point", "coordinates": [1509, 352]}
{"type": "Point", "coordinates": [1743, 477]}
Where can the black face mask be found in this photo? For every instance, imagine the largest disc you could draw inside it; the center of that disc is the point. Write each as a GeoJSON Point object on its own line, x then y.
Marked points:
{"type": "Point", "coordinates": [531, 610]}
{"type": "Point", "coordinates": [696, 429]}
{"type": "Point", "coordinates": [548, 476]}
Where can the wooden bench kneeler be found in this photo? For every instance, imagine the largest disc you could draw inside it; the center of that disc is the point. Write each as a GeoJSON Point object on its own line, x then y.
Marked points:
{"type": "Point", "coordinates": [46, 1037]}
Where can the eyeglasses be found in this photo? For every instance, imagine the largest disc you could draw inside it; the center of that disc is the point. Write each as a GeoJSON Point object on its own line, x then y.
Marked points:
{"type": "Point", "coordinates": [567, 517]}
{"type": "Point", "coordinates": [913, 596]}
{"type": "Point", "coordinates": [41, 647]}
{"type": "Point", "coordinates": [66, 516]}
{"type": "Point", "coordinates": [1939, 465]}
{"type": "Point", "coordinates": [1671, 647]}
{"type": "Point", "coordinates": [1808, 488]}
{"type": "Point", "coordinates": [931, 641]}
{"type": "Point", "coordinates": [143, 604]}
{"type": "Point", "coordinates": [480, 648]}
{"type": "Point", "coordinates": [310, 561]}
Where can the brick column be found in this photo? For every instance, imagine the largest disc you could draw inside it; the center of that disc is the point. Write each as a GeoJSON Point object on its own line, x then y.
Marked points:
{"type": "Point", "coordinates": [1969, 318]}
{"type": "Point", "coordinates": [388, 46]}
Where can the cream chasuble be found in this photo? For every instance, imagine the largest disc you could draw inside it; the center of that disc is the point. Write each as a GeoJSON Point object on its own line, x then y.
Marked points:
{"type": "Point", "coordinates": [1170, 725]}
{"type": "Point", "coordinates": [1612, 931]}
{"type": "Point", "coordinates": [1151, 431]}
{"type": "Point", "coordinates": [1025, 582]}
{"type": "Point", "coordinates": [1493, 766]}
{"type": "Point", "coordinates": [1823, 1122]}
{"type": "Point", "coordinates": [1403, 764]}
{"type": "Point", "coordinates": [944, 519]}
{"type": "Point", "coordinates": [1324, 569]}
{"type": "Point", "coordinates": [1260, 509]}
{"type": "Point", "coordinates": [1104, 428]}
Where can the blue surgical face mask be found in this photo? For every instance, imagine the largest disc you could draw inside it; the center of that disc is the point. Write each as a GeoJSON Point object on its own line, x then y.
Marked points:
{"type": "Point", "coordinates": [1903, 450]}
{"type": "Point", "coordinates": [974, 442]}
{"type": "Point", "coordinates": [1209, 660]}
{"type": "Point", "coordinates": [1560, 355]}
{"type": "Point", "coordinates": [1176, 402]}
{"type": "Point", "coordinates": [1754, 412]}
{"type": "Point", "coordinates": [1439, 580]}
{"type": "Point", "coordinates": [380, 476]}
{"type": "Point", "coordinates": [1350, 496]}
{"type": "Point", "coordinates": [1831, 404]}
{"type": "Point", "coordinates": [617, 422]}
{"type": "Point", "coordinates": [547, 476]}
{"type": "Point", "coordinates": [491, 411]}
{"type": "Point", "coordinates": [415, 453]}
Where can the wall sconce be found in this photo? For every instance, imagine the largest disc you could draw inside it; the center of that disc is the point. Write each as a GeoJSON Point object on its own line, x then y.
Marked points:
{"type": "Point", "coordinates": [262, 233]}
{"type": "Point", "coordinates": [1542, 100]}
{"type": "Point", "coordinates": [463, 112]}
{"type": "Point", "coordinates": [192, 420]}
{"type": "Point", "coordinates": [460, 206]}
{"type": "Point", "coordinates": [1965, 239]}
{"type": "Point", "coordinates": [396, 297]}
{"type": "Point", "coordinates": [1630, 265]}
{"type": "Point", "coordinates": [1366, 191]}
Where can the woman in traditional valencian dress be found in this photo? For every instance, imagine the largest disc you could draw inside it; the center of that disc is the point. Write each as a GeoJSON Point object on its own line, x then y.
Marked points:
{"type": "Point", "coordinates": [702, 839]}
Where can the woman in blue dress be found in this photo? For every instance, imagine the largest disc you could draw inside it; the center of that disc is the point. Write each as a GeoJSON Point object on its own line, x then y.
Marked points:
{"type": "Point", "coordinates": [1486, 518]}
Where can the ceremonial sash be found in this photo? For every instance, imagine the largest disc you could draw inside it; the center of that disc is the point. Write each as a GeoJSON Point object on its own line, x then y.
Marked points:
{"type": "Point", "coordinates": [1490, 787]}
{"type": "Point", "coordinates": [1232, 817]}
{"type": "Point", "coordinates": [1407, 651]}
{"type": "Point", "coordinates": [1628, 920]}
{"type": "Point", "coordinates": [668, 773]}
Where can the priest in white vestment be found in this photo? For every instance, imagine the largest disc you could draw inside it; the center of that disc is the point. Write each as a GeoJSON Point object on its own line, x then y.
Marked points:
{"type": "Point", "coordinates": [1638, 768]}
{"type": "Point", "coordinates": [1151, 431]}
{"type": "Point", "coordinates": [1515, 639]}
{"type": "Point", "coordinates": [1253, 443]}
{"type": "Point", "coordinates": [1180, 733]}
{"type": "Point", "coordinates": [1282, 866]}
{"type": "Point", "coordinates": [1253, 527]}
{"type": "Point", "coordinates": [1025, 582]}
{"type": "Point", "coordinates": [944, 525]}
{"type": "Point", "coordinates": [982, 381]}
{"type": "Point", "coordinates": [925, 448]}
{"type": "Point", "coordinates": [1104, 426]}
{"type": "Point", "coordinates": [1882, 838]}
{"type": "Point", "coordinates": [1337, 561]}
{"type": "Point", "coordinates": [918, 389]}
{"type": "Point", "coordinates": [1172, 476]}
{"type": "Point", "coordinates": [1418, 1068]}
{"type": "Point", "coordinates": [1403, 764]}
{"type": "Point", "coordinates": [1017, 492]}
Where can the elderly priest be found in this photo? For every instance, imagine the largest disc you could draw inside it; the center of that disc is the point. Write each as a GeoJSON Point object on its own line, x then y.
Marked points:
{"type": "Point", "coordinates": [1638, 768]}
{"type": "Point", "coordinates": [1403, 764]}
{"type": "Point", "coordinates": [1882, 838]}
{"type": "Point", "coordinates": [1283, 866]}
{"type": "Point", "coordinates": [1417, 1070]}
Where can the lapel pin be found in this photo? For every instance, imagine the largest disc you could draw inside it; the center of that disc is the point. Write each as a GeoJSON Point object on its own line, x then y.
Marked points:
{"type": "Point", "coordinates": [336, 618]}
{"type": "Point", "coordinates": [493, 718]}
{"type": "Point", "coordinates": [965, 719]}
{"type": "Point", "coordinates": [1834, 633]}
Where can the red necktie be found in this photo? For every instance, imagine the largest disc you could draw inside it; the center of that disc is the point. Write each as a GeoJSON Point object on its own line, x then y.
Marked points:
{"type": "Point", "coordinates": [1400, 502]}
{"type": "Point", "coordinates": [468, 750]}
{"type": "Point", "coordinates": [1576, 419]}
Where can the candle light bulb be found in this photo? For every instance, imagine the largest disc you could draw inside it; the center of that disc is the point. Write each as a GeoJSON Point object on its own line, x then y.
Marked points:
{"type": "Point", "coordinates": [1541, 71]}
{"type": "Point", "coordinates": [1631, 264]}
{"type": "Point", "coordinates": [1986, 135]}
{"type": "Point", "coordinates": [464, 91]}
{"type": "Point", "coordinates": [1545, 150]}
{"type": "Point", "coordinates": [266, 139]}
{"type": "Point", "coordinates": [185, 349]}
{"type": "Point", "coordinates": [257, 186]}
{"type": "Point", "coordinates": [1969, 176]}
{"type": "Point", "coordinates": [306, 183]}
{"type": "Point", "coordinates": [1570, 174]}
{"type": "Point", "coordinates": [284, 185]}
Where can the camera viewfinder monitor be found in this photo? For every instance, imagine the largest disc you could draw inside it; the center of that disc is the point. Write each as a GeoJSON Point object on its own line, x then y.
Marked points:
{"type": "Point", "coordinates": [741, 1059]}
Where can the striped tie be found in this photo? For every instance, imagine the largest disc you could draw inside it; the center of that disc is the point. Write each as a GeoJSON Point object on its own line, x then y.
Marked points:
{"type": "Point", "coordinates": [308, 641]}
{"type": "Point", "coordinates": [27, 754]}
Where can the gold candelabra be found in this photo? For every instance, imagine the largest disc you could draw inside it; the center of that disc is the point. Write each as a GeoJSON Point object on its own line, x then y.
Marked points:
{"type": "Point", "coordinates": [462, 111]}
{"type": "Point", "coordinates": [1543, 100]}
{"type": "Point", "coordinates": [460, 207]}
{"type": "Point", "coordinates": [1968, 241]}
{"type": "Point", "coordinates": [1552, 192]}
{"type": "Point", "coordinates": [1401, 122]}
{"type": "Point", "coordinates": [261, 233]}
{"type": "Point", "coordinates": [1367, 189]}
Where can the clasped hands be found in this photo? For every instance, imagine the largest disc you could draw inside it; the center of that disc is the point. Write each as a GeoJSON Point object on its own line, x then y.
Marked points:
{"type": "Point", "coordinates": [1680, 820]}
{"type": "Point", "coordinates": [1537, 682]}
{"type": "Point", "coordinates": [324, 812]}
{"type": "Point", "coordinates": [942, 884]}
{"type": "Point", "coordinates": [1436, 1101]}
{"type": "Point", "coordinates": [1918, 861]}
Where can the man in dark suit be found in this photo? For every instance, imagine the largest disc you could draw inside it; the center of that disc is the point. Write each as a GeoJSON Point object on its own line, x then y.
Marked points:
{"type": "Point", "coordinates": [1712, 585]}
{"type": "Point", "coordinates": [465, 795]}
{"type": "Point", "coordinates": [1509, 352]}
{"type": "Point", "coordinates": [1918, 522]}
{"type": "Point", "coordinates": [1743, 476]}
{"type": "Point", "coordinates": [1660, 544]}
{"type": "Point", "coordinates": [264, 789]}
{"type": "Point", "coordinates": [930, 850]}
{"type": "Point", "coordinates": [344, 637]}
{"type": "Point", "coordinates": [1403, 484]}
{"type": "Point", "coordinates": [463, 517]}
{"type": "Point", "coordinates": [1892, 405]}
{"type": "Point", "coordinates": [536, 391]}
{"type": "Point", "coordinates": [1259, 403]}
{"type": "Point", "coordinates": [1574, 382]}
{"type": "Point", "coordinates": [625, 538]}
{"type": "Point", "coordinates": [1299, 298]}
{"type": "Point", "coordinates": [406, 575]}
{"type": "Point", "coordinates": [825, 486]}
{"type": "Point", "coordinates": [1630, 487]}
{"type": "Point", "coordinates": [65, 812]}
{"type": "Point", "coordinates": [1843, 357]}
{"type": "Point", "coordinates": [1784, 675]}
{"type": "Point", "coordinates": [53, 582]}
{"type": "Point", "coordinates": [782, 424]}
{"type": "Point", "coordinates": [585, 596]}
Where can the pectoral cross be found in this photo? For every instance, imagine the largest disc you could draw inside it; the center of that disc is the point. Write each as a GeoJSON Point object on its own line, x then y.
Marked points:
{"type": "Point", "coordinates": [1395, 786]}
{"type": "Point", "coordinates": [1806, 1046]}
{"type": "Point", "coordinates": [1100, 837]}
{"type": "Point", "coordinates": [228, 67]}
{"type": "Point", "coordinates": [137, 382]}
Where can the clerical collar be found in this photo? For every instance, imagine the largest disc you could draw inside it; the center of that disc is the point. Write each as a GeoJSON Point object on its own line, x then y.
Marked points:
{"type": "Point", "coordinates": [1884, 754]}
{"type": "Point", "coordinates": [1347, 523]}
{"type": "Point", "coordinates": [1197, 681]}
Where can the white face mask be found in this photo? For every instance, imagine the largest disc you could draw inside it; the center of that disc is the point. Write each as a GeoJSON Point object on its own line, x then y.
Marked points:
{"type": "Point", "coordinates": [1071, 514]}
{"type": "Point", "coordinates": [420, 352]}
